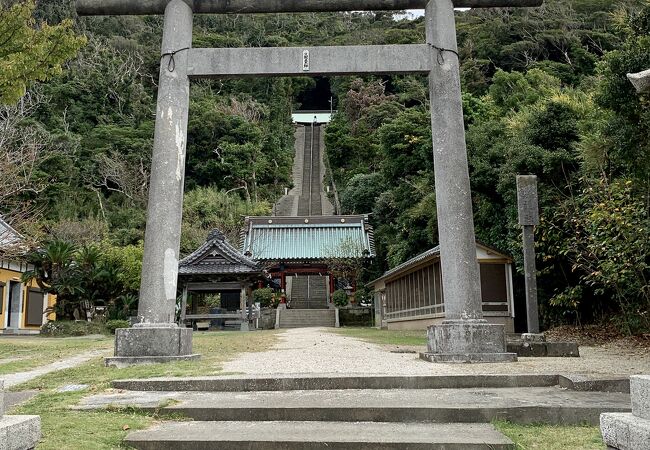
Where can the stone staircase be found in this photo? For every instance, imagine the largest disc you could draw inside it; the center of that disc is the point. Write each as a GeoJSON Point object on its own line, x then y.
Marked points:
{"type": "Point", "coordinates": [303, 318]}
{"type": "Point", "coordinates": [307, 197]}
{"type": "Point", "coordinates": [309, 292]}
{"type": "Point", "coordinates": [336, 411]}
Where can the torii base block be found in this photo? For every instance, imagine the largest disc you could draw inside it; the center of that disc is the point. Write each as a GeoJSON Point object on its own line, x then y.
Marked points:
{"type": "Point", "coordinates": [151, 345]}
{"type": "Point", "coordinates": [467, 341]}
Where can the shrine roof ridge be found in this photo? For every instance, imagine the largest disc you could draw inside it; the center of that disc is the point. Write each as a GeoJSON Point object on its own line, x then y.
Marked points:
{"type": "Point", "coordinates": [307, 220]}
{"type": "Point", "coordinates": [128, 7]}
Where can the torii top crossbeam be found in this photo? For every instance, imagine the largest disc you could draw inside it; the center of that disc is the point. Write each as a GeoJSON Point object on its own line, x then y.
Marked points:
{"type": "Point", "coordinates": [129, 7]}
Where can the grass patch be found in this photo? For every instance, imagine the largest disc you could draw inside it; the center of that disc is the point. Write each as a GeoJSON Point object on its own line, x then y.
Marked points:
{"type": "Point", "coordinates": [387, 337]}
{"type": "Point", "coordinates": [64, 428]}
{"type": "Point", "coordinates": [552, 437]}
{"type": "Point", "coordinates": [25, 353]}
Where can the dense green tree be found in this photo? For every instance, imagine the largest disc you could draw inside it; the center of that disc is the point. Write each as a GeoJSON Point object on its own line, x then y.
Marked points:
{"type": "Point", "coordinates": [31, 52]}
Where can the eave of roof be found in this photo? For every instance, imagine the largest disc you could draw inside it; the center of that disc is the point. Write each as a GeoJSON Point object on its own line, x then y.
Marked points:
{"type": "Point", "coordinates": [425, 256]}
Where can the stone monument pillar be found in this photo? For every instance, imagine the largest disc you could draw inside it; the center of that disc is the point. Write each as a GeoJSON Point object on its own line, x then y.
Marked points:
{"type": "Point", "coordinates": [157, 338]}
{"type": "Point", "coordinates": [527, 205]}
{"type": "Point", "coordinates": [18, 432]}
{"type": "Point", "coordinates": [464, 336]}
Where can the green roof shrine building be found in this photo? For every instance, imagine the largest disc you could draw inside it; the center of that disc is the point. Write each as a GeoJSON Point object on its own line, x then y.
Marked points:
{"type": "Point", "coordinates": [297, 252]}
{"type": "Point", "coordinates": [410, 296]}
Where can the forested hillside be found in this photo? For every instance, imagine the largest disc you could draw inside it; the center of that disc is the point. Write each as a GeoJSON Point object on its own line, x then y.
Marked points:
{"type": "Point", "coordinates": [545, 93]}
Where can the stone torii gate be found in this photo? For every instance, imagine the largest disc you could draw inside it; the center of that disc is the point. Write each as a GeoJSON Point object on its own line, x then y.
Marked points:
{"type": "Point", "coordinates": [465, 335]}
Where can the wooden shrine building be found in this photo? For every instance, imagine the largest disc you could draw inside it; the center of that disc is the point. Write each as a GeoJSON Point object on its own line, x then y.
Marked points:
{"type": "Point", "coordinates": [297, 252]}
{"type": "Point", "coordinates": [410, 296]}
{"type": "Point", "coordinates": [216, 281]}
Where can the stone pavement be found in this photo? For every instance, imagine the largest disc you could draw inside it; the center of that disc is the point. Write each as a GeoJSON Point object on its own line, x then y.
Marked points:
{"type": "Point", "coordinates": [14, 379]}
{"type": "Point", "coordinates": [319, 351]}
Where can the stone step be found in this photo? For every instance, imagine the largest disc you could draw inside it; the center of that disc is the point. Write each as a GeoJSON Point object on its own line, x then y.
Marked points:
{"type": "Point", "coordinates": [519, 405]}
{"type": "Point", "coordinates": [313, 435]}
{"type": "Point", "coordinates": [334, 381]}
{"type": "Point", "coordinates": [304, 318]}
{"type": "Point", "coordinates": [313, 322]}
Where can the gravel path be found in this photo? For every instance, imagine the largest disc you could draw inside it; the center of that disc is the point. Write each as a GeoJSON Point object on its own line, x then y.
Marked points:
{"type": "Point", "coordinates": [317, 350]}
{"type": "Point", "coordinates": [17, 378]}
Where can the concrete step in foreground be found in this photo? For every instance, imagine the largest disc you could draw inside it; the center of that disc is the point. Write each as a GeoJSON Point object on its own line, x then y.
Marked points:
{"type": "Point", "coordinates": [246, 383]}
{"type": "Point", "coordinates": [551, 405]}
{"type": "Point", "coordinates": [318, 435]}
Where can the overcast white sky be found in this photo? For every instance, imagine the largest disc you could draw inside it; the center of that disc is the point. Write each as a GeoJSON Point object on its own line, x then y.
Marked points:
{"type": "Point", "coordinates": [420, 12]}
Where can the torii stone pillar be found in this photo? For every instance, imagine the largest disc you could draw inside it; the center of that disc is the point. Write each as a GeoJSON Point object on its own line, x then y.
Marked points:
{"type": "Point", "coordinates": [465, 335]}
{"type": "Point", "coordinates": [157, 338]}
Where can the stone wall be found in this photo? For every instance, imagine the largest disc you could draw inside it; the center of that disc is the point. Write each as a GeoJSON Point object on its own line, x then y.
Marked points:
{"type": "Point", "coordinates": [267, 319]}
{"type": "Point", "coordinates": [356, 317]}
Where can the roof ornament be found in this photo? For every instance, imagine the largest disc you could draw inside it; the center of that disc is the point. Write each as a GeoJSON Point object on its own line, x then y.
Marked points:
{"type": "Point", "coordinates": [216, 235]}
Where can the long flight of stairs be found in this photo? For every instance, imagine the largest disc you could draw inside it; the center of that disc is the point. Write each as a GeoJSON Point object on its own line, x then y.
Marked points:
{"type": "Point", "coordinates": [308, 197]}
{"type": "Point", "coordinates": [308, 294]}
{"type": "Point", "coordinates": [308, 291]}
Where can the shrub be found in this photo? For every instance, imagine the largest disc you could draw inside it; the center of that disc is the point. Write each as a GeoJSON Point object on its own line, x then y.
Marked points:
{"type": "Point", "coordinates": [213, 301]}
{"type": "Point", "coordinates": [263, 296]}
{"type": "Point", "coordinates": [113, 325]}
{"type": "Point", "coordinates": [340, 298]}
{"type": "Point", "coordinates": [66, 328]}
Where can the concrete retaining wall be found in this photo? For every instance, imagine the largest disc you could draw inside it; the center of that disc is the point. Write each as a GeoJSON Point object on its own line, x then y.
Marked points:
{"type": "Point", "coordinates": [356, 317]}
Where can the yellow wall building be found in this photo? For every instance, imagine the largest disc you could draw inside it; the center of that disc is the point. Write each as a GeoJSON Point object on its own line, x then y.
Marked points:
{"type": "Point", "coordinates": [23, 306]}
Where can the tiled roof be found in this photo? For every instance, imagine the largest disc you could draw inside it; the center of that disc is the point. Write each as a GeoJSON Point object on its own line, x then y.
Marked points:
{"type": "Point", "coordinates": [413, 261]}
{"type": "Point", "coordinates": [217, 257]}
{"type": "Point", "coordinates": [308, 238]}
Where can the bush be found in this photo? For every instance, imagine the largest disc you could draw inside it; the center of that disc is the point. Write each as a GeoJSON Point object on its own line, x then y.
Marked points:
{"type": "Point", "coordinates": [113, 325]}
{"type": "Point", "coordinates": [263, 296]}
{"type": "Point", "coordinates": [340, 298]}
{"type": "Point", "coordinates": [67, 328]}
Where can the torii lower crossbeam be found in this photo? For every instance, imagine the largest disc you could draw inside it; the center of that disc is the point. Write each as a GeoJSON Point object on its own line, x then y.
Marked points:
{"type": "Point", "coordinates": [308, 61]}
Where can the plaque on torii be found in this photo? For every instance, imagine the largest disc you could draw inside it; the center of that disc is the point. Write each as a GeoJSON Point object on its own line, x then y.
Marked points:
{"type": "Point", "coordinates": [464, 335]}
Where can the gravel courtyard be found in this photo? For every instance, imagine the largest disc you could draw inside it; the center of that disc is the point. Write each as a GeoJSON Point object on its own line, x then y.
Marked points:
{"type": "Point", "coordinates": [319, 350]}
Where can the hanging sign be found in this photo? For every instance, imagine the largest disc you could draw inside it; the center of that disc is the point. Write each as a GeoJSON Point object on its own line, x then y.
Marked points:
{"type": "Point", "coordinates": [305, 60]}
